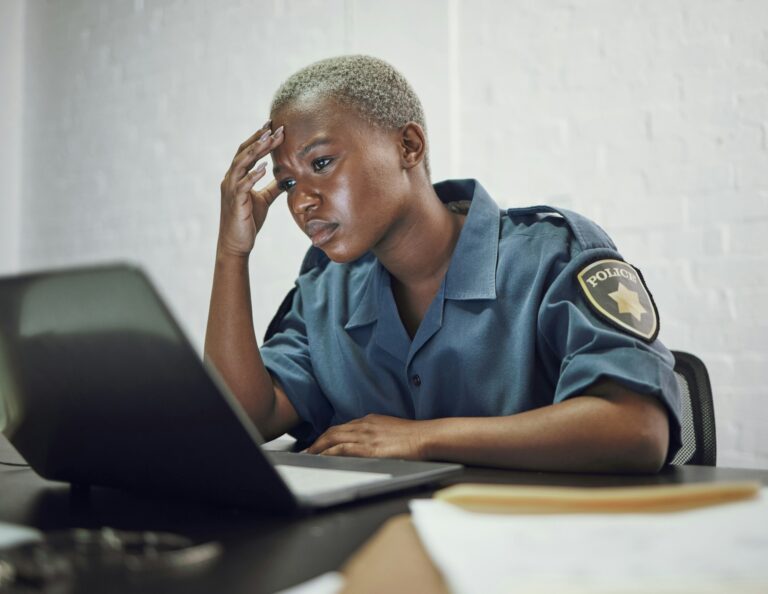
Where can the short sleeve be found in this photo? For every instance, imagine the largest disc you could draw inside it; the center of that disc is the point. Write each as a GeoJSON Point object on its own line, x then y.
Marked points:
{"type": "Point", "coordinates": [581, 348]}
{"type": "Point", "coordinates": [286, 356]}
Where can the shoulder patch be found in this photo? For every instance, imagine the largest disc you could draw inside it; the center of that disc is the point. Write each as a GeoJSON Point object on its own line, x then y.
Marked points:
{"type": "Point", "coordinates": [617, 292]}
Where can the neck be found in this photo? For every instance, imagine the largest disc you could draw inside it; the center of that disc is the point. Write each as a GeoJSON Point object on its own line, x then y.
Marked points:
{"type": "Point", "coordinates": [417, 250]}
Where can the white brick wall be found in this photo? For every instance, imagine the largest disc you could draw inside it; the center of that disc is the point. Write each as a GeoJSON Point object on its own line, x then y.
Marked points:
{"type": "Point", "coordinates": [650, 116]}
{"type": "Point", "coordinates": [11, 85]}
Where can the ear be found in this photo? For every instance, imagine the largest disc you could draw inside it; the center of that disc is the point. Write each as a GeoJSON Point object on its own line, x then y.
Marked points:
{"type": "Point", "coordinates": [413, 145]}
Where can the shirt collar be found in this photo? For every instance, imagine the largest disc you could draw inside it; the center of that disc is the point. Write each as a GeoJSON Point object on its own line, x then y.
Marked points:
{"type": "Point", "coordinates": [368, 308]}
{"type": "Point", "coordinates": [472, 271]}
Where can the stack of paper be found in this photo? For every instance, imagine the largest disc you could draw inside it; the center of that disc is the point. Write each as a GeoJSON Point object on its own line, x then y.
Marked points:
{"type": "Point", "coordinates": [723, 548]}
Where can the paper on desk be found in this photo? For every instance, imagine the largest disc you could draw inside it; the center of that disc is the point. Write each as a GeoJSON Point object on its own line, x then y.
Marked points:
{"type": "Point", "coordinates": [327, 583]}
{"type": "Point", "coordinates": [723, 548]}
{"type": "Point", "coordinates": [11, 535]}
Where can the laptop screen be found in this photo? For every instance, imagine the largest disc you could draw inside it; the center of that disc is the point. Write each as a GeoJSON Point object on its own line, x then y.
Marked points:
{"type": "Point", "coordinates": [95, 373]}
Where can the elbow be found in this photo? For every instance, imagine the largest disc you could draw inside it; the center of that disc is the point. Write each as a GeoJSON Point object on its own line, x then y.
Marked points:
{"type": "Point", "coordinates": [648, 454]}
{"type": "Point", "coordinates": [647, 443]}
{"type": "Point", "coordinates": [640, 430]}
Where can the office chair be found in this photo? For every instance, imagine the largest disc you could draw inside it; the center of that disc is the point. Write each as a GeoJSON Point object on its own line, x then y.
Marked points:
{"type": "Point", "coordinates": [698, 413]}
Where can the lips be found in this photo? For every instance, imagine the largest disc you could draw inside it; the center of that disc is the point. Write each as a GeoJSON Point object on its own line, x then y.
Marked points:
{"type": "Point", "coordinates": [320, 231]}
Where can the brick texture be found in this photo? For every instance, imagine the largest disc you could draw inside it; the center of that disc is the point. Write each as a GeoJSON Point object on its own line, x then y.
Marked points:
{"type": "Point", "coordinates": [11, 129]}
{"type": "Point", "coordinates": [649, 116]}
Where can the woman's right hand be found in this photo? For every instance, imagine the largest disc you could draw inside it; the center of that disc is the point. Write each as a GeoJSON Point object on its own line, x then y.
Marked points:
{"type": "Point", "coordinates": [243, 209]}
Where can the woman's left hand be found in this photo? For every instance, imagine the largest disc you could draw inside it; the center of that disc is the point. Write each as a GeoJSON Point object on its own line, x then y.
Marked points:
{"type": "Point", "coordinates": [374, 436]}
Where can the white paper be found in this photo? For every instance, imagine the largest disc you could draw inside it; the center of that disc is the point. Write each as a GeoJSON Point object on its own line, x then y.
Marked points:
{"type": "Point", "coordinates": [284, 443]}
{"type": "Point", "coordinates": [327, 583]}
{"type": "Point", "coordinates": [722, 548]}
{"type": "Point", "coordinates": [11, 535]}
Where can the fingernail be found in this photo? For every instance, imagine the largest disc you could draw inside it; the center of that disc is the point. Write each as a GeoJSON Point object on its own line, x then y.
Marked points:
{"type": "Point", "coordinates": [264, 136]}
{"type": "Point", "coordinates": [278, 132]}
{"type": "Point", "coordinates": [266, 124]}
{"type": "Point", "coordinates": [261, 166]}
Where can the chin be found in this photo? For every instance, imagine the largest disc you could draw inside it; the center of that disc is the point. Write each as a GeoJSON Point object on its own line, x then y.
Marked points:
{"type": "Point", "coordinates": [341, 254]}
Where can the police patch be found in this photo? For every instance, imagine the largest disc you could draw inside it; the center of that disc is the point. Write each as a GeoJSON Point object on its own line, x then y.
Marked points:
{"type": "Point", "coordinates": [616, 291]}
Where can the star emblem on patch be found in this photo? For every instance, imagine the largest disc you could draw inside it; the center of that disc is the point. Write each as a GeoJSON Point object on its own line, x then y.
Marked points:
{"type": "Point", "coordinates": [617, 292]}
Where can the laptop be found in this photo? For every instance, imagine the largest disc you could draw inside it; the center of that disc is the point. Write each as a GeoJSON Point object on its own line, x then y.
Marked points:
{"type": "Point", "coordinates": [100, 386]}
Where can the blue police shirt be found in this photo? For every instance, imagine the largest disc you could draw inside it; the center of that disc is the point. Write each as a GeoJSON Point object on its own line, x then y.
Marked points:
{"type": "Point", "coordinates": [508, 330]}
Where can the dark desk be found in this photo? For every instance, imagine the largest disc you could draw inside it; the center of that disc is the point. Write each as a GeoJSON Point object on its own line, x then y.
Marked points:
{"type": "Point", "coordinates": [263, 553]}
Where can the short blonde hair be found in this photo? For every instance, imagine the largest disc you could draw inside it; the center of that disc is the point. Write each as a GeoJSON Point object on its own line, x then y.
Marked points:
{"type": "Point", "coordinates": [372, 87]}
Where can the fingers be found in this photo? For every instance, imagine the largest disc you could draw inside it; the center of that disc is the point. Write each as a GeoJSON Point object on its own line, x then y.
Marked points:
{"type": "Point", "coordinates": [346, 449]}
{"type": "Point", "coordinates": [332, 437]}
{"type": "Point", "coordinates": [247, 157]}
{"type": "Point", "coordinates": [343, 448]}
{"type": "Point", "coordinates": [238, 182]}
{"type": "Point", "coordinates": [270, 192]}
{"type": "Point", "coordinates": [254, 151]}
{"type": "Point", "coordinates": [250, 179]}
{"type": "Point", "coordinates": [357, 431]}
{"type": "Point", "coordinates": [260, 135]}
{"type": "Point", "coordinates": [321, 443]}
{"type": "Point", "coordinates": [255, 135]}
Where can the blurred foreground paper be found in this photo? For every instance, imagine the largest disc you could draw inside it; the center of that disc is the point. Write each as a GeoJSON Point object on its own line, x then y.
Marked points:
{"type": "Point", "coordinates": [718, 549]}
{"type": "Point", "coordinates": [12, 535]}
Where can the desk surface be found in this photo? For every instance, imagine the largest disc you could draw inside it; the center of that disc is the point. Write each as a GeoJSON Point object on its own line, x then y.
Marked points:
{"type": "Point", "coordinates": [265, 553]}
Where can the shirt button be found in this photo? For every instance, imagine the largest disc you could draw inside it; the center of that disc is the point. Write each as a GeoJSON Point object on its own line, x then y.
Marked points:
{"type": "Point", "coordinates": [416, 379]}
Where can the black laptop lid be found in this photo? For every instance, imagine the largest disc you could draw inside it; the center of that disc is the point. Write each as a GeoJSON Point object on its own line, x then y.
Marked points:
{"type": "Point", "coordinates": [98, 385]}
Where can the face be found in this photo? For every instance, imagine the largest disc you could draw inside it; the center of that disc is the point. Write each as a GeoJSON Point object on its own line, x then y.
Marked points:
{"type": "Point", "coordinates": [343, 177]}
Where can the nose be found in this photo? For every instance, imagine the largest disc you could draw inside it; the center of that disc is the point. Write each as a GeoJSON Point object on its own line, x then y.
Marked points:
{"type": "Point", "coordinates": [304, 201]}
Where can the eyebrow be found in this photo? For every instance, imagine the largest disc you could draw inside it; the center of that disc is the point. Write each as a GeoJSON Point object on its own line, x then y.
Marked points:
{"type": "Point", "coordinates": [322, 140]}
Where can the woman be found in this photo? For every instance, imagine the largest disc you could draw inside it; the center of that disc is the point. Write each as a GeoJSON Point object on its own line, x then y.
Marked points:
{"type": "Point", "coordinates": [426, 323]}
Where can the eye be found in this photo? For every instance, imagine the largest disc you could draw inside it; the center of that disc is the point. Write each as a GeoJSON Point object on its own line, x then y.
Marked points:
{"type": "Point", "coordinates": [286, 184]}
{"type": "Point", "coordinates": [321, 163]}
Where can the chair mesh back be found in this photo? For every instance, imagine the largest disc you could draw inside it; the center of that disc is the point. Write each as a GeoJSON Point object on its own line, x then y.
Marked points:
{"type": "Point", "coordinates": [688, 435]}
{"type": "Point", "coordinates": [698, 415]}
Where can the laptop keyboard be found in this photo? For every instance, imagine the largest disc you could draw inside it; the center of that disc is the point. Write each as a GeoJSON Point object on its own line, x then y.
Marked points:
{"type": "Point", "coordinates": [303, 480]}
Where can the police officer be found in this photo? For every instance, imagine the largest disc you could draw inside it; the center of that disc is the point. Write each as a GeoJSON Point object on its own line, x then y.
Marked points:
{"type": "Point", "coordinates": [426, 323]}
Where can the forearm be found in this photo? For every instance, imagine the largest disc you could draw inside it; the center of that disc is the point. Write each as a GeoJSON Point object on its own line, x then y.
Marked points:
{"type": "Point", "coordinates": [583, 434]}
{"type": "Point", "coordinates": [230, 341]}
